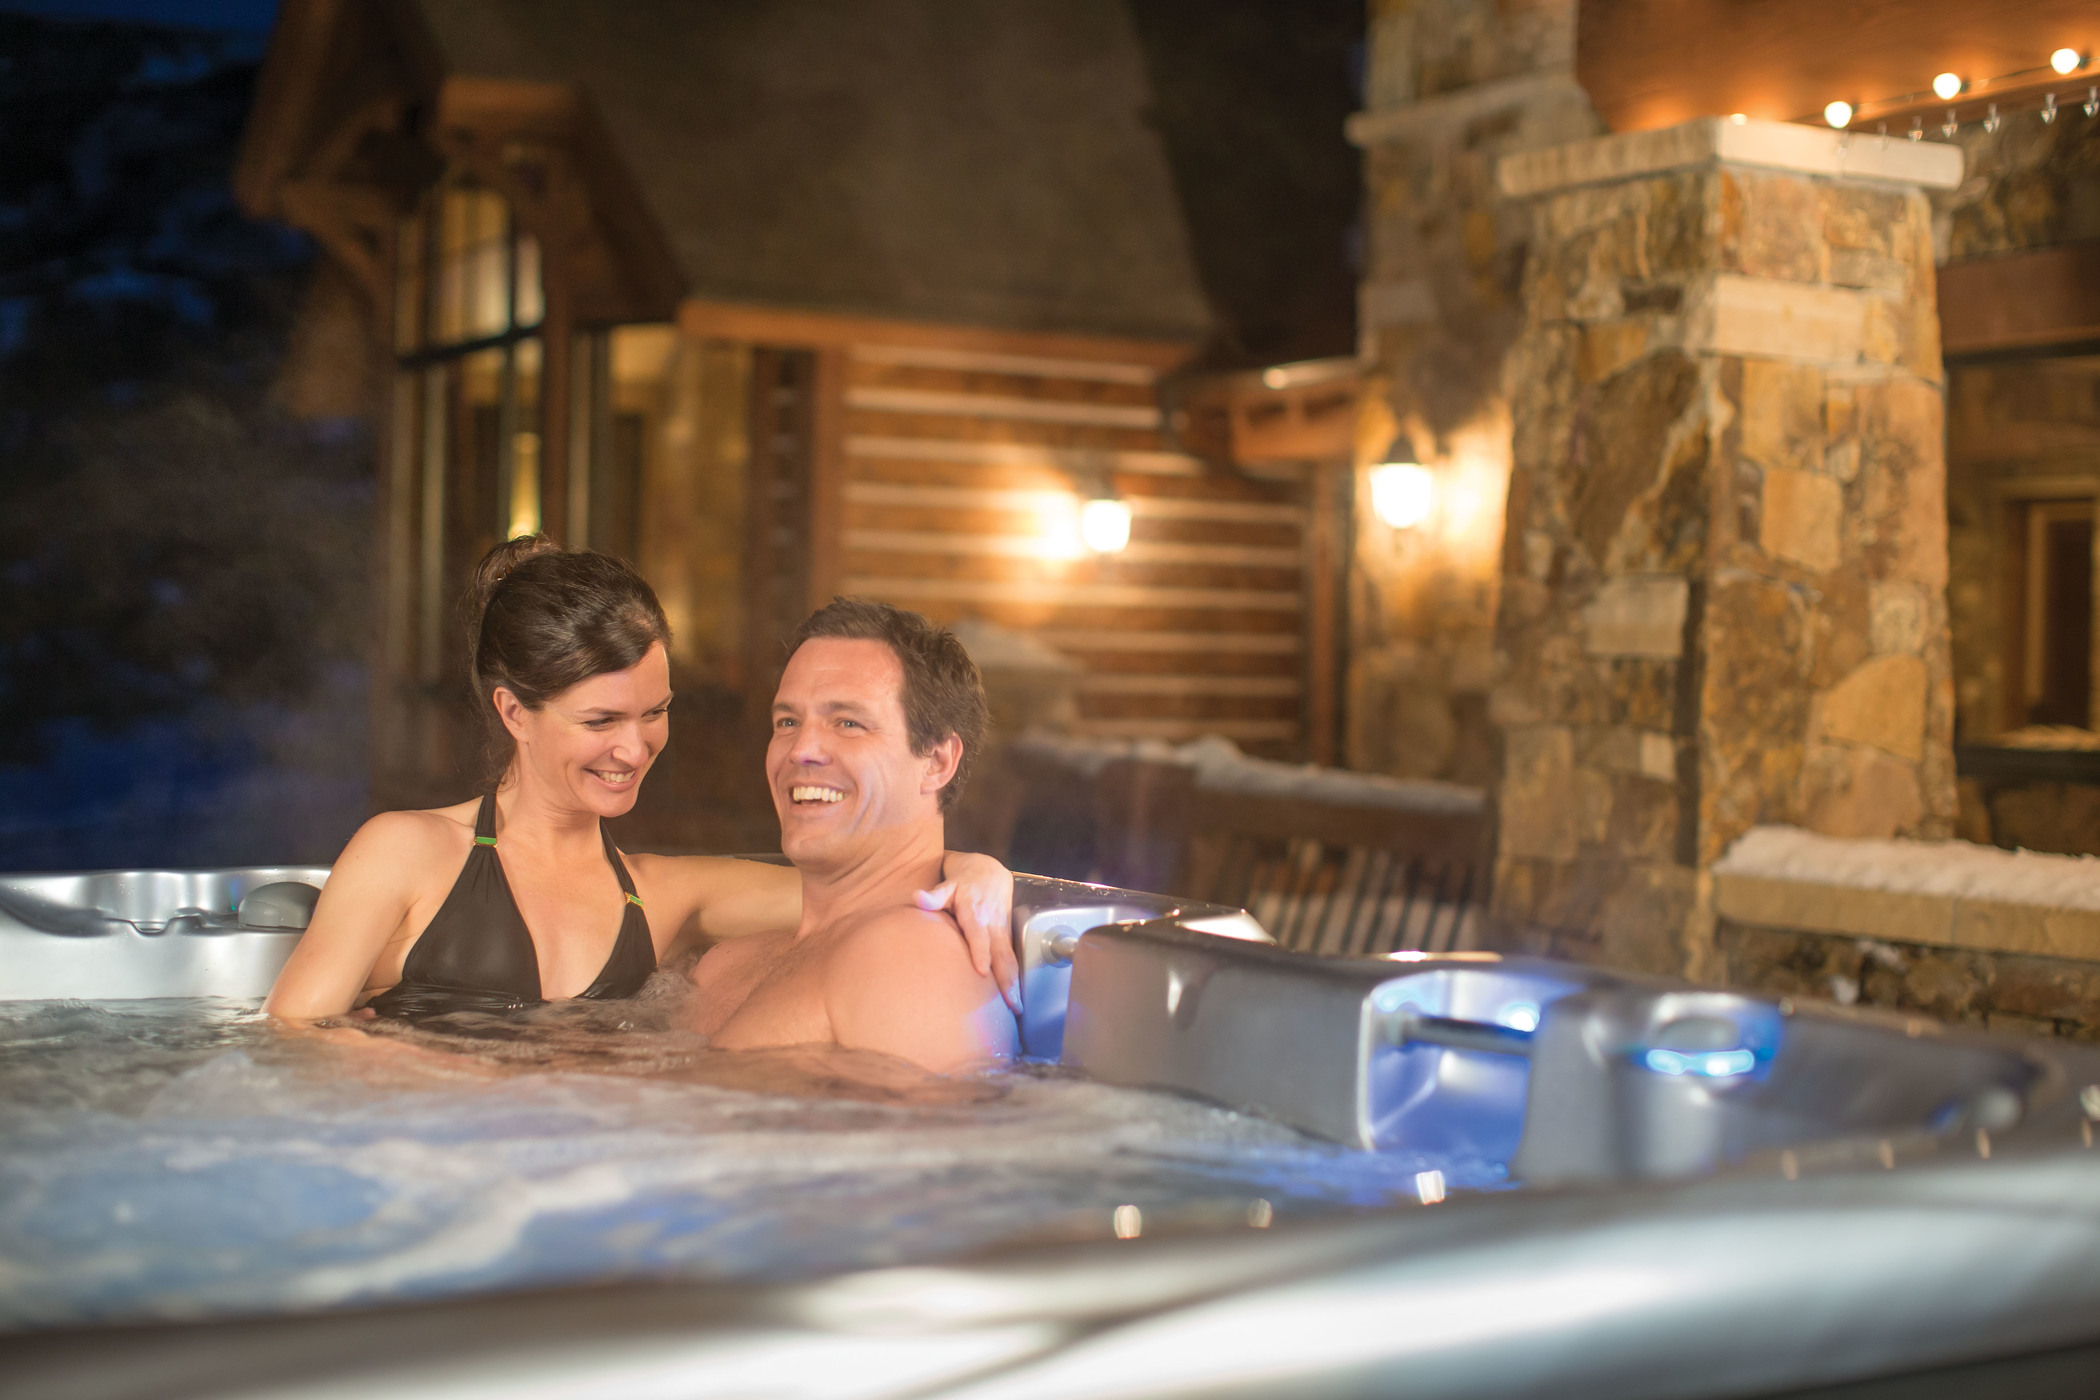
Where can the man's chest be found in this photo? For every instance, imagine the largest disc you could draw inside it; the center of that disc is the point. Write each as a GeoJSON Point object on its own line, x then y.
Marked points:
{"type": "Point", "coordinates": [761, 991]}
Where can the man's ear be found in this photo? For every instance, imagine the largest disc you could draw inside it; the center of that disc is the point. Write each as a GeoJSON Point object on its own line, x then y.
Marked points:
{"type": "Point", "coordinates": [510, 709]}
{"type": "Point", "coordinates": [941, 762]}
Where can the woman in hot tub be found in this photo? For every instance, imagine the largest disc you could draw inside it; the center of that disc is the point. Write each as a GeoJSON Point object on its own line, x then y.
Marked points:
{"type": "Point", "coordinates": [519, 896]}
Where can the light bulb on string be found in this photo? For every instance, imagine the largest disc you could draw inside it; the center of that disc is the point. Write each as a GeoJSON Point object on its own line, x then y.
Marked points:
{"type": "Point", "coordinates": [1946, 86]}
{"type": "Point", "coordinates": [1838, 114]}
{"type": "Point", "coordinates": [2065, 60]}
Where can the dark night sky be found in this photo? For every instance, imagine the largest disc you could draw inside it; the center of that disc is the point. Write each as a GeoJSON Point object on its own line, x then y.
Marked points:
{"type": "Point", "coordinates": [192, 14]}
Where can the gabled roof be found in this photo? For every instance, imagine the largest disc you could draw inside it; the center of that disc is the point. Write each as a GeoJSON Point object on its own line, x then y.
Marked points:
{"type": "Point", "coordinates": [985, 162]}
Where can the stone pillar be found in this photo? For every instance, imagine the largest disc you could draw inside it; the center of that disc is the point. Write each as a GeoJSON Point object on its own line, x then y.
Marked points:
{"type": "Point", "coordinates": [1725, 562]}
{"type": "Point", "coordinates": [1452, 85]}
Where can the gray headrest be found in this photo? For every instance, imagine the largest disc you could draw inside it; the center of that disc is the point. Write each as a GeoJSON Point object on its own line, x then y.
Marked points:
{"type": "Point", "coordinates": [286, 904]}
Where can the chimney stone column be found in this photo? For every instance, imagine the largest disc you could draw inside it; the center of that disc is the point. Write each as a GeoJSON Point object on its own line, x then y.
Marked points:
{"type": "Point", "coordinates": [1723, 597]}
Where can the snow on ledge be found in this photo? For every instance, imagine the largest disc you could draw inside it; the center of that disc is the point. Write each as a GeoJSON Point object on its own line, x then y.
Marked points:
{"type": "Point", "coordinates": [1221, 767]}
{"type": "Point", "coordinates": [1956, 869]}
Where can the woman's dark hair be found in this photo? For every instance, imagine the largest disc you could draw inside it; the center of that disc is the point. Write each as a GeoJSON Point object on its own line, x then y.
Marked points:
{"type": "Point", "coordinates": [943, 692]}
{"type": "Point", "coordinates": [541, 618]}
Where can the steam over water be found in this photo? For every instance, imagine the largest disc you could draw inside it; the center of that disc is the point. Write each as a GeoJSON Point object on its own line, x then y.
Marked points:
{"type": "Point", "coordinates": [187, 1158]}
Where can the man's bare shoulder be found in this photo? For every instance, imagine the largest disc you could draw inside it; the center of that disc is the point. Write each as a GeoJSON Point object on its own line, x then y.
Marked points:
{"type": "Point", "coordinates": [903, 930]}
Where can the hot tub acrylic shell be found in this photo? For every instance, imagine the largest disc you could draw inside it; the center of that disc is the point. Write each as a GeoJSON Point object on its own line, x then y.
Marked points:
{"type": "Point", "coordinates": [1727, 1195]}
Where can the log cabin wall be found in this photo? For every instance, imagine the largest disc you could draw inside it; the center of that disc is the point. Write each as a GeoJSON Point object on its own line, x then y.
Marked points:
{"type": "Point", "coordinates": [960, 475]}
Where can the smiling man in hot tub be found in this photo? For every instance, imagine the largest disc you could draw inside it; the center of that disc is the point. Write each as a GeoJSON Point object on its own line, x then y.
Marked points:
{"type": "Point", "coordinates": [877, 717]}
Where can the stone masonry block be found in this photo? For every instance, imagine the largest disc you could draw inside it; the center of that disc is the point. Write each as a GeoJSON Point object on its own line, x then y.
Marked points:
{"type": "Point", "coordinates": [1799, 516]}
{"type": "Point", "coordinates": [1536, 812]}
{"type": "Point", "coordinates": [1900, 617]}
{"type": "Point", "coordinates": [1770, 226]}
{"type": "Point", "coordinates": [1760, 316]}
{"type": "Point", "coordinates": [1781, 414]}
{"type": "Point", "coordinates": [1881, 704]}
{"type": "Point", "coordinates": [1638, 617]}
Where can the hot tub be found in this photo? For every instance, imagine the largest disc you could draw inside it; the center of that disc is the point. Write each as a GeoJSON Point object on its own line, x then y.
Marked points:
{"type": "Point", "coordinates": [1232, 1170]}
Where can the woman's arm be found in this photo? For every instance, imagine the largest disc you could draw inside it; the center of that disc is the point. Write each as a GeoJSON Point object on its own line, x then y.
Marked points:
{"type": "Point", "coordinates": [363, 904]}
{"type": "Point", "coordinates": [719, 897]}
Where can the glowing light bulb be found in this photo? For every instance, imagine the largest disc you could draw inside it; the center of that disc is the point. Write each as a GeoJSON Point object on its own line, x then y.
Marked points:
{"type": "Point", "coordinates": [2065, 60]}
{"type": "Point", "coordinates": [1838, 114]}
{"type": "Point", "coordinates": [1945, 86]}
{"type": "Point", "coordinates": [1104, 525]}
{"type": "Point", "coordinates": [1402, 493]}
{"type": "Point", "coordinates": [1737, 118]}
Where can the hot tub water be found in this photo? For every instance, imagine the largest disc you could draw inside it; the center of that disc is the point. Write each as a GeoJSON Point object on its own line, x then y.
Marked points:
{"type": "Point", "coordinates": [186, 1158]}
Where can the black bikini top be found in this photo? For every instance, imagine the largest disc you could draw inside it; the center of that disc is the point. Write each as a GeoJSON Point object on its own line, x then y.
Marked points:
{"type": "Point", "coordinates": [476, 954]}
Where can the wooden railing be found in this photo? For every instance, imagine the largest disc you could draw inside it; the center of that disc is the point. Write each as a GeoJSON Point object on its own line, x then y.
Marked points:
{"type": "Point", "coordinates": [1339, 876]}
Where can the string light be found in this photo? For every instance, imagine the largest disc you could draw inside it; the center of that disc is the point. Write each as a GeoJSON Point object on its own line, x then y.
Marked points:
{"type": "Point", "coordinates": [2021, 89]}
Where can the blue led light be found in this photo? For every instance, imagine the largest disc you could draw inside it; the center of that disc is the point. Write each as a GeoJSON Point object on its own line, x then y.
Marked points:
{"type": "Point", "coordinates": [1519, 1016]}
{"type": "Point", "coordinates": [1707, 1064]}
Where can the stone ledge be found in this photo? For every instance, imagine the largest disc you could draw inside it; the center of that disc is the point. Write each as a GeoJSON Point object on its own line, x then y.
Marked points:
{"type": "Point", "coordinates": [1806, 150]}
{"type": "Point", "coordinates": [1464, 104]}
{"type": "Point", "coordinates": [1946, 921]}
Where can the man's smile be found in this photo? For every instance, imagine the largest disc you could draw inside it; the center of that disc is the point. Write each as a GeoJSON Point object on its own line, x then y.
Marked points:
{"type": "Point", "coordinates": [806, 792]}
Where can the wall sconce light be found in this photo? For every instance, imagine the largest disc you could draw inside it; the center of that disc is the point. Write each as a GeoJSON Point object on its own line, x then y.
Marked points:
{"type": "Point", "coordinates": [1402, 493]}
{"type": "Point", "coordinates": [1104, 524]}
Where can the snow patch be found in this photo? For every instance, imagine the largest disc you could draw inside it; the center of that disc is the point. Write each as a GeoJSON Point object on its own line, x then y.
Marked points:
{"type": "Point", "coordinates": [1221, 767]}
{"type": "Point", "coordinates": [1957, 869]}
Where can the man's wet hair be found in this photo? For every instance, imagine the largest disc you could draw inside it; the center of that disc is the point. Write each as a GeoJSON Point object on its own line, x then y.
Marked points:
{"type": "Point", "coordinates": [943, 692]}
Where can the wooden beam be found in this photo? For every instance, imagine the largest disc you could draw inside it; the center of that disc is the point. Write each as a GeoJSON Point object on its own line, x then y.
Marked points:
{"type": "Point", "coordinates": [2050, 296]}
{"type": "Point", "coordinates": [772, 325]}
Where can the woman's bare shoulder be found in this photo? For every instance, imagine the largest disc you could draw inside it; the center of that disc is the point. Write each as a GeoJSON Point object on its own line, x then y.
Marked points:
{"type": "Point", "coordinates": [431, 833]}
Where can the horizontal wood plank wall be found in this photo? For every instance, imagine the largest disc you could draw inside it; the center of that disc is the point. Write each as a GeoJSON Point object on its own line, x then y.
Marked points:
{"type": "Point", "coordinates": [961, 464]}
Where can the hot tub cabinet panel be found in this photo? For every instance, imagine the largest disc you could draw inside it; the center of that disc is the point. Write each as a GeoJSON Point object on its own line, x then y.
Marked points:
{"type": "Point", "coordinates": [1726, 1195]}
{"type": "Point", "coordinates": [123, 935]}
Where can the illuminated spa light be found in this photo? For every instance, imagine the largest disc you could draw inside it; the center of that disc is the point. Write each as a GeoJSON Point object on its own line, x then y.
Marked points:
{"type": "Point", "coordinates": [1429, 1187]}
{"type": "Point", "coordinates": [1946, 85]}
{"type": "Point", "coordinates": [1519, 1016]}
{"type": "Point", "coordinates": [1104, 525]}
{"type": "Point", "coordinates": [1402, 493]}
{"type": "Point", "coordinates": [1128, 1222]}
{"type": "Point", "coordinates": [1707, 1064]}
{"type": "Point", "coordinates": [2065, 60]}
{"type": "Point", "coordinates": [1838, 114]}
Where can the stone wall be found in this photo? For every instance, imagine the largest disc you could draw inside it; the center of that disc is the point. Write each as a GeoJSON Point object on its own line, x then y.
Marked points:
{"type": "Point", "coordinates": [1723, 577]}
{"type": "Point", "coordinates": [2015, 992]}
{"type": "Point", "coordinates": [1451, 86]}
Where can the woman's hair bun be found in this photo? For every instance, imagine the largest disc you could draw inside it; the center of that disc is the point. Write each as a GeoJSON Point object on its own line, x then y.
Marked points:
{"type": "Point", "coordinates": [541, 618]}
{"type": "Point", "coordinates": [495, 567]}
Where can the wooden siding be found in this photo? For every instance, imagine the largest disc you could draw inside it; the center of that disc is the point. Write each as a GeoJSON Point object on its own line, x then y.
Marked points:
{"type": "Point", "coordinates": [960, 463]}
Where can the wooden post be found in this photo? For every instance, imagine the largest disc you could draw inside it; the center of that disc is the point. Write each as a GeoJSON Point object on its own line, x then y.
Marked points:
{"type": "Point", "coordinates": [555, 379]}
{"type": "Point", "coordinates": [1323, 611]}
{"type": "Point", "coordinates": [827, 475]}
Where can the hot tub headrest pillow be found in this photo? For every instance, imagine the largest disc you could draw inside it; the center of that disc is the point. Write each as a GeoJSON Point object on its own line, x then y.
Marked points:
{"type": "Point", "coordinates": [286, 904]}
